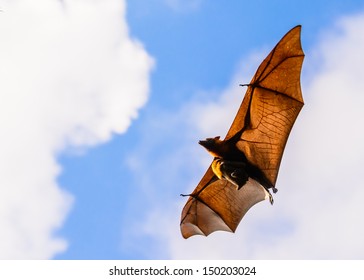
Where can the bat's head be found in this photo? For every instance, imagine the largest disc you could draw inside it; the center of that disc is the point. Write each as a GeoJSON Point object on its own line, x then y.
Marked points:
{"type": "Point", "coordinates": [212, 145]}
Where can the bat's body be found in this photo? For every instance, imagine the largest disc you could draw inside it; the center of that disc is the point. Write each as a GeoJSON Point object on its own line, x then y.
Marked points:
{"type": "Point", "coordinates": [233, 171]}
{"type": "Point", "coordinates": [246, 163]}
{"type": "Point", "coordinates": [232, 165]}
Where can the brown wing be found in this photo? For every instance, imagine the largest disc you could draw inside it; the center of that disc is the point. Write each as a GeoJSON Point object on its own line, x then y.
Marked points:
{"type": "Point", "coordinates": [271, 106]}
{"type": "Point", "coordinates": [217, 205]}
{"type": "Point", "coordinates": [264, 121]}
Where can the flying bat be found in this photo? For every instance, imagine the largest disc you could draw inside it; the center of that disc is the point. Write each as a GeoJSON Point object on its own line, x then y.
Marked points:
{"type": "Point", "coordinates": [246, 163]}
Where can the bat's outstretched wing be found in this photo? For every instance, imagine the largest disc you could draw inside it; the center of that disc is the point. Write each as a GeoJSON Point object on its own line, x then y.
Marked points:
{"type": "Point", "coordinates": [263, 123]}
{"type": "Point", "coordinates": [216, 205]}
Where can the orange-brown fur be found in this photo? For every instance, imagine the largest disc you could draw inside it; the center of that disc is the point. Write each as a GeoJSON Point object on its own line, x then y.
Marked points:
{"type": "Point", "coordinates": [225, 149]}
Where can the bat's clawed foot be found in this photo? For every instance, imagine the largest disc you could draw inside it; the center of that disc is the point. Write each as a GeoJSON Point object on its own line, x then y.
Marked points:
{"type": "Point", "coordinates": [271, 200]}
{"type": "Point", "coordinates": [270, 196]}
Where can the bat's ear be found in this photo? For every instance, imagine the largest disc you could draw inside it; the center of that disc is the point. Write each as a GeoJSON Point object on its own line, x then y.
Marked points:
{"type": "Point", "coordinates": [209, 140]}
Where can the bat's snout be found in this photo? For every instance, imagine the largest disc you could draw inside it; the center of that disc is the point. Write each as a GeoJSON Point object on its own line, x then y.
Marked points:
{"type": "Point", "coordinates": [206, 143]}
{"type": "Point", "coordinates": [209, 143]}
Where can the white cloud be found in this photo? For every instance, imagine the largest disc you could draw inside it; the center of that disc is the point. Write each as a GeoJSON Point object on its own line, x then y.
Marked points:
{"type": "Point", "coordinates": [328, 147]}
{"type": "Point", "coordinates": [70, 76]}
{"type": "Point", "coordinates": [318, 210]}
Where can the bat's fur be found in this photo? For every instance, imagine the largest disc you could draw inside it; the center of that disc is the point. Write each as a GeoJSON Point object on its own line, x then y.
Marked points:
{"type": "Point", "coordinates": [231, 164]}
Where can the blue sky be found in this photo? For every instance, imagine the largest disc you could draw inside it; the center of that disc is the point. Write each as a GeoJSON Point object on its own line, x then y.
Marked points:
{"type": "Point", "coordinates": [103, 105]}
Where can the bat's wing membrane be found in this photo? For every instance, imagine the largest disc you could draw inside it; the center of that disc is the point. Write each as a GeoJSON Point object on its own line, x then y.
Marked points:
{"type": "Point", "coordinates": [271, 105]}
{"type": "Point", "coordinates": [217, 205]}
